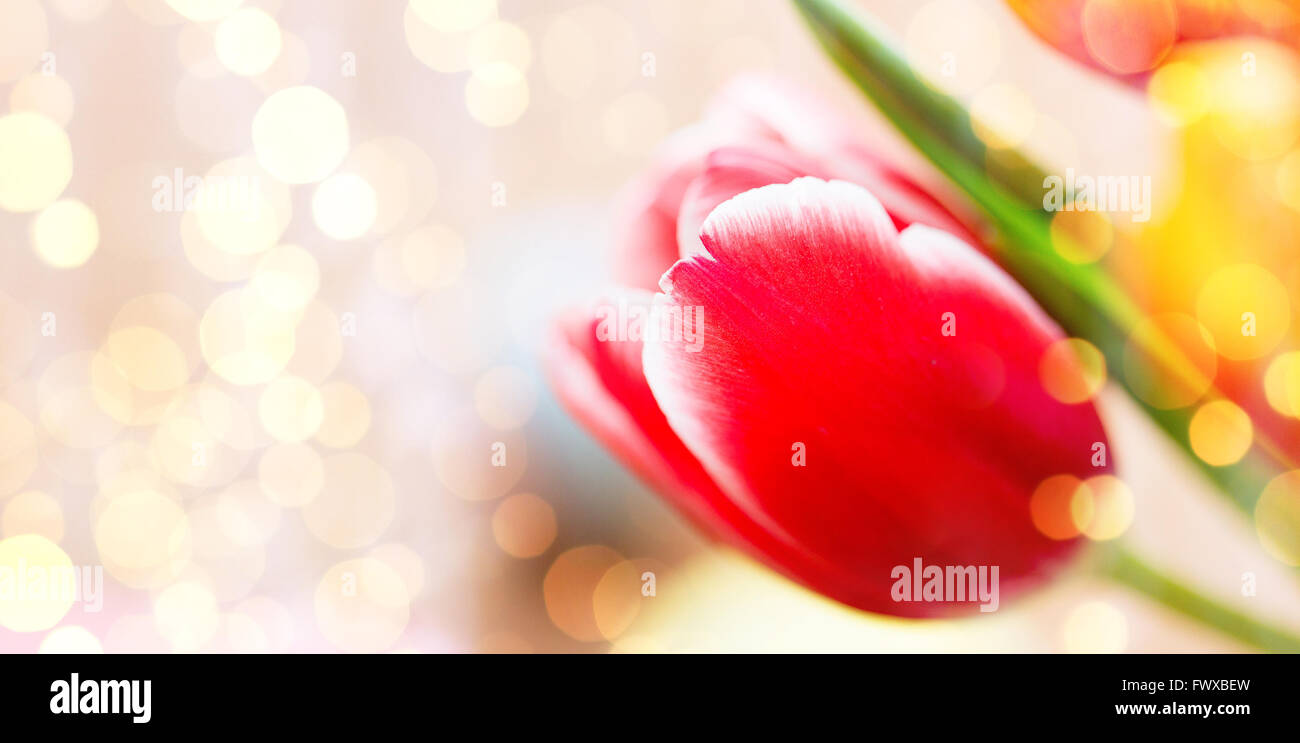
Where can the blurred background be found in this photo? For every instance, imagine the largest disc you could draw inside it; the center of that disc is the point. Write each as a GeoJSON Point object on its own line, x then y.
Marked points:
{"type": "Point", "coordinates": [276, 273]}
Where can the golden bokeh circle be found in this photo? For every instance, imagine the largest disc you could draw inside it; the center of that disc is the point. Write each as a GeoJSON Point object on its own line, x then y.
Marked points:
{"type": "Point", "coordinates": [1103, 508]}
{"type": "Point", "coordinates": [1282, 384]}
{"type": "Point", "coordinates": [248, 41]}
{"type": "Point", "coordinates": [71, 639]}
{"type": "Point", "coordinates": [569, 590]}
{"type": "Point", "coordinates": [362, 605]}
{"type": "Point", "coordinates": [187, 615]}
{"type": "Point", "coordinates": [496, 94]}
{"type": "Point", "coordinates": [1053, 506]}
{"type": "Point", "coordinates": [30, 557]}
{"type": "Point", "coordinates": [1072, 370]}
{"type": "Point", "coordinates": [300, 134]}
{"type": "Point", "coordinates": [286, 278]}
{"type": "Point", "coordinates": [344, 206]}
{"type": "Point", "coordinates": [1220, 433]}
{"type": "Point", "coordinates": [35, 161]}
{"type": "Point", "coordinates": [1246, 309]}
{"type": "Point", "coordinates": [143, 538]}
{"type": "Point", "coordinates": [453, 16]}
{"type": "Point", "coordinates": [1277, 518]}
{"type": "Point", "coordinates": [524, 525]}
{"type": "Point", "coordinates": [346, 415]}
{"type": "Point", "coordinates": [246, 340]}
{"type": "Point", "coordinates": [290, 409]}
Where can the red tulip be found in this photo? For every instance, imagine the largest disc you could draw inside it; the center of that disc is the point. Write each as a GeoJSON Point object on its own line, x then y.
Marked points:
{"type": "Point", "coordinates": [1131, 37]}
{"type": "Point", "coordinates": [831, 395]}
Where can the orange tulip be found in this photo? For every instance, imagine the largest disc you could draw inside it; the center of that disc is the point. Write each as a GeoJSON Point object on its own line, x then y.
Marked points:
{"type": "Point", "coordinates": [1129, 38]}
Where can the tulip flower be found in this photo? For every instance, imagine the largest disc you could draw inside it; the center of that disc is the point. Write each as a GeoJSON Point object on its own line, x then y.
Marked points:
{"type": "Point", "coordinates": [1082, 297]}
{"type": "Point", "coordinates": [1128, 38]}
{"type": "Point", "coordinates": [832, 378]}
{"type": "Point", "coordinates": [834, 382]}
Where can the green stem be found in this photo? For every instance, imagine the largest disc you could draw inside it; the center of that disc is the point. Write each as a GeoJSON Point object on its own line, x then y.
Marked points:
{"type": "Point", "coordinates": [1126, 568]}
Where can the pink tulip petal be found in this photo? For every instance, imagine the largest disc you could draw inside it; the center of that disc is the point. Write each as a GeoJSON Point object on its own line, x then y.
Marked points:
{"type": "Point", "coordinates": [734, 170]}
{"type": "Point", "coordinates": [645, 212]}
{"type": "Point", "coordinates": [731, 171]}
{"type": "Point", "coordinates": [778, 110]}
{"type": "Point", "coordinates": [821, 326]}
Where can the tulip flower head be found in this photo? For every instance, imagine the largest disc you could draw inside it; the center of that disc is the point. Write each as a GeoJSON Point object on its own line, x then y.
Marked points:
{"type": "Point", "coordinates": [853, 397]}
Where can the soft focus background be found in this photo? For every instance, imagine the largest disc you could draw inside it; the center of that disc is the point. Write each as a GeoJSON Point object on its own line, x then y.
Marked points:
{"type": "Point", "coordinates": [293, 404]}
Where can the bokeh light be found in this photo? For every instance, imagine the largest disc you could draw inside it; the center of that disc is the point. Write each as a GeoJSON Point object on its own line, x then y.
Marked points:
{"type": "Point", "coordinates": [362, 605]}
{"type": "Point", "coordinates": [30, 557]}
{"type": "Point", "coordinates": [496, 94]}
{"type": "Point", "coordinates": [524, 525]}
{"type": "Point", "coordinates": [1072, 370]}
{"type": "Point", "coordinates": [247, 41]}
{"type": "Point", "coordinates": [35, 161]}
{"type": "Point", "coordinates": [1277, 518]}
{"type": "Point", "coordinates": [300, 134]}
{"type": "Point", "coordinates": [1246, 309]}
{"type": "Point", "coordinates": [344, 206]}
{"type": "Point", "coordinates": [1220, 432]}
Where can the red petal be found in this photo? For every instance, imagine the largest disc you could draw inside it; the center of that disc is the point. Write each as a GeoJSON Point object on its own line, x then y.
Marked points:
{"type": "Point", "coordinates": [821, 326]}
{"type": "Point", "coordinates": [599, 380]}
{"type": "Point", "coordinates": [597, 376]}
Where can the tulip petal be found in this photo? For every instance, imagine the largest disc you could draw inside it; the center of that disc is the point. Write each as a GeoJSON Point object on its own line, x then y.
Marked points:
{"type": "Point", "coordinates": [751, 112]}
{"type": "Point", "coordinates": [597, 375]}
{"type": "Point", "coordinates": [822, 333]}
{"type": "Point", "coordinates": [734, 170]}
{"type": "Point", "coordinates": [594, 364]}
{"type": "Point", "coordinates": [646, 210]}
